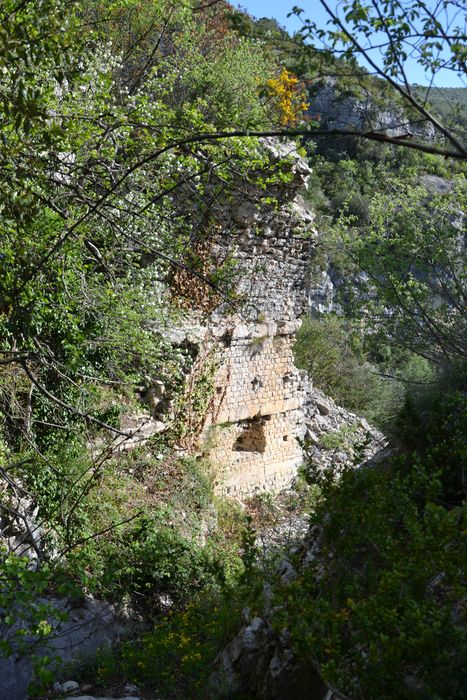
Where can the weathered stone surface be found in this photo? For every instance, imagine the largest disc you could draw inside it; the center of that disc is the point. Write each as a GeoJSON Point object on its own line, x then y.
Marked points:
{"type": "Point", "coordinates": [286, 571]}
{"type": "Point", "coordinates": [69, 686]}
{"type": "Point", "coordinates": [259, 662]}
{"type": "Point", "coordinates": [139, 427]}
{"type": "Point", "coordinates": [323, 406]}
{"type": "Point", "coordinates": [88, 627]}
{"type": "Point", "coordinates": [19, 529]}
{"type": "Point", "coordinates": [436, 184]}
{"type": "Point", "coordinates": [336, 438]}
{"type": "Point", "coordinates": [255, 419]}
{"type": "Point", "coordinates": [338, 110]}
{"type": "Point", "coordinates": [262, 404]}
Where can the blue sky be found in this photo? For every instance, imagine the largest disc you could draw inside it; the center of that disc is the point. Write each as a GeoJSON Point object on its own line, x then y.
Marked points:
{"type": "Point", "coordinates": [313, 10]}
{"type": "Point", "coordinates": [280, 8]}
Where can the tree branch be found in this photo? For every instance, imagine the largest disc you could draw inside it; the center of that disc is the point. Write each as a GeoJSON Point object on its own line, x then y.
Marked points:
{"type": "Point", "coordinates": [66, 406]}
{"type": "Point", "coordinates": [462, 152]}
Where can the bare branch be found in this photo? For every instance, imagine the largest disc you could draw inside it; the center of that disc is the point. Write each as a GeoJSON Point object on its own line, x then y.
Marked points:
{"type": "Point", "coordinates": [86, 416]}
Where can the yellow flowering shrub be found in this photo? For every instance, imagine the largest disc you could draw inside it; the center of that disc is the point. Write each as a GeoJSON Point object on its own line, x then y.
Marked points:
{"type": "Point", "coordinates": [288, 96]}
{"type": "Point", "coordinates": [176, 655]}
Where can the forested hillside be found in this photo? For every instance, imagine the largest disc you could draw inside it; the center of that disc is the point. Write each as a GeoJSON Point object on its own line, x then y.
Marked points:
{"type": "Point", "coordinates": [450, 104]}
{"type": "Point", "coordinates": [179, 203]}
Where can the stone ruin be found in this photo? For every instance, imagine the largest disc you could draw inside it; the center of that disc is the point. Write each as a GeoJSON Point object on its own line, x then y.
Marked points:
{"type": "Point", "coordinates": [255, 418]}
{"type": "Point", "coordinates": [252, 431]}
{"type": "Point", "coordinates": [262, 410]}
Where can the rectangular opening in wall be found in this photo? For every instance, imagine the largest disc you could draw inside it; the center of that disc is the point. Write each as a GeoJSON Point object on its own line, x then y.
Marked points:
{"type": "Point", "coordinates": [252, 438]}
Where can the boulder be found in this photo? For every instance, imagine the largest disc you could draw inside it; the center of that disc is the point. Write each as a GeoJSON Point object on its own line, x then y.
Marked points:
{"type": "Point", "coordinates": [69, 686]}
{"type": "Point", "coordinates": [324, 406]}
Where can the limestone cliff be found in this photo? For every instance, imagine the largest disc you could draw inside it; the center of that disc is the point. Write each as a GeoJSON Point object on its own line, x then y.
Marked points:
{"type": "Point", "coordinates": [363, 110]}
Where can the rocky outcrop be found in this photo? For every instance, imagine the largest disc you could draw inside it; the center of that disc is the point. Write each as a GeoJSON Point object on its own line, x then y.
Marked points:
{"type": "Point", "coordinates": [88, 626]}
{"type": "Point", "coordinates": [333, 437]}
{"type": "Point", "coordinates": [259, 663]}
{"type": "Point", "coordinates": [336, 108]}
{"type": "Point", "coordinates": [20, 531]}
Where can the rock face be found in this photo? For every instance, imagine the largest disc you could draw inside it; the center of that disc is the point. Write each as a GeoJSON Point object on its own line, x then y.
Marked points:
{"type": "Point", "coordinates": [335, 438]}
{"type": "Point", "coordinates": [255, 416]}
{"type": "Point", "coordinates": [259, 663]}
{"type": "Point", "coordinates": [19, 530]}
{"type": "Point", "coordinates": [337, 109]}
{"type": "Point", "coordinates": [91, 625]}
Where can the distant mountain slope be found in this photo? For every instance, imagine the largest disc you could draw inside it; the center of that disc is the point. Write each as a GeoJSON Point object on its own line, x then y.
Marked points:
{"type": "Point", "coordinates": [450, 104]}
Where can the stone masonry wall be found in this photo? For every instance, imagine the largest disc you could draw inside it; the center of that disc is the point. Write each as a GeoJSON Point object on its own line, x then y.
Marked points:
{"type": "Point", "coordinates": [251, 431]}
{"type": "Point", "coordinates": [253, 438]}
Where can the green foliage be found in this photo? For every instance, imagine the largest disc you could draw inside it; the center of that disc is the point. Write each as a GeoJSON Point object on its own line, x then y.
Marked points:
{"type": "Point", "coordinates": [98, 202]}
{"type": "Point", "coordinates": [131, 530]}
{"type": "Point", "coordinates": [332, 353]}
{"type": "Point", "coordinates": [412, 257]}
{"type": "Point", "coordinates": [347, 173]}
{"type": "Point", "coordinates": [176, 655]}
{"type": "Point", "coordinates": [332, 441]}
{"type": "Point", "coordinates": [194, 403]}
{"type": "Point", "coordinates": [28, 619]}
{"type": "Point", "coordinates": [24, 616]}
{"type": "Point", "coordinates": [433, 421]}
{"type": "Point", "coordinates": [57, 481]}
{"type": "Point", "coordinates": [380, 608]}
{"type": "Point", "coordinates": [449, 103]}
{"type": "Point", "coordinates": [150, 561]}
{"type": "Point", "coordinates": [113, 202]}
{"type": "Point", "coordinates": [396, 22]}
{"type": "Point", "coordinates": [39, 48]}
{"type": "Point", "coordinates": [106, 187]}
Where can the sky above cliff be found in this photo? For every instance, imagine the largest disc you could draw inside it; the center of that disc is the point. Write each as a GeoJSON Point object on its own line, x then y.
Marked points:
{"type": "Point", "coordinates": [314, 10]}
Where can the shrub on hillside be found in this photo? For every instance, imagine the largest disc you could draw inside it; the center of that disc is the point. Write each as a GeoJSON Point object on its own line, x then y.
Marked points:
{"type": "Point", "coordinates": [334, 358]}
{"type": "Point", "coordinates": [380, 608]}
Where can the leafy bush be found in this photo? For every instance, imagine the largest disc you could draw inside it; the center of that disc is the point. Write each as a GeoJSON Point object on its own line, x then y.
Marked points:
{"type": "Point", "coordinates": [153, 565]}
{"type": "Point", "coordinates": [132, 529]}
{"type": "Point", "coordinates": [333, 355]}
{"type": "Point", "coordinates": [433, 422]}
{"type": "Point", "coordinates": [411, 293]}
{"type": "Point", "coordinates": [177, 654]}
{"type": "Point", "coordinates": [381, 604]}
{"type": "Point", "coordinates": [28, 617]}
